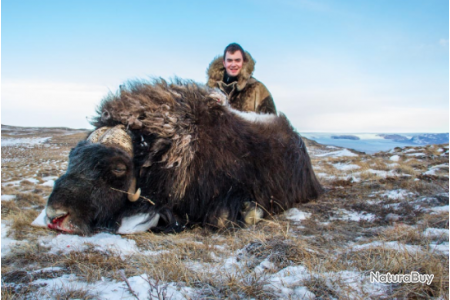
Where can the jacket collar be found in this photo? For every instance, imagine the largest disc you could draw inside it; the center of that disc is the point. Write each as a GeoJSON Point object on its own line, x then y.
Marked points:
{"type": "Point", "coordinates": [216, 70]}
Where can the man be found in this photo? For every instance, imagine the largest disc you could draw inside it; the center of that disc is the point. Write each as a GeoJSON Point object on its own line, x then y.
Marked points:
{"type": "Point", "coordinates": [232, 74]}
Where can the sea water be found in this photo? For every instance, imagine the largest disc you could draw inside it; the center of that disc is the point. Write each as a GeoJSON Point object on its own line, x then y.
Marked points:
{"type": "Point", "coordinates": [368, 142]}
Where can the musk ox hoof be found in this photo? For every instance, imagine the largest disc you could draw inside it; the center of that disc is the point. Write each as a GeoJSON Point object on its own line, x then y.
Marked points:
{"type": "Point", "coordinates": [251, 213]}
{"type": "Point", "coordinates": [221, 221]}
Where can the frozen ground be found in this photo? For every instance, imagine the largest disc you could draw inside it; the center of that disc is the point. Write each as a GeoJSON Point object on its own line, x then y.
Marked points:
{"type": "Point", "coordinates": [385, 212]}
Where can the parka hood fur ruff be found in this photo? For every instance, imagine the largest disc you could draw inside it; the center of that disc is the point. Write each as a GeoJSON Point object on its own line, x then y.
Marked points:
{"type": "Point", "coordinates": [216, 70]}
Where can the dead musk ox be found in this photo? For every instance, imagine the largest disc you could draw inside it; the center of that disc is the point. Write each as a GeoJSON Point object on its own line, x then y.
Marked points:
{"type": "Point", "coordinates": [180, 145]}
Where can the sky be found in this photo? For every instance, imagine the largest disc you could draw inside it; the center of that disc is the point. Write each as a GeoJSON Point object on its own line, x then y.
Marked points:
{"type": "Point", "coordinates": [331, 66]}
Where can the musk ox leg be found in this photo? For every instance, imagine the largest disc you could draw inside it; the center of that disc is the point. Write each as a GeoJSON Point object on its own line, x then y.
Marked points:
{"type": "Point", "coordinates": [251, 213]}
{"type": "Point", "coordinates": [234, 209]}
{"type": "Point", "coordinates": [219, 219]}
{"type": "Point", "coordinates": [222, 219]}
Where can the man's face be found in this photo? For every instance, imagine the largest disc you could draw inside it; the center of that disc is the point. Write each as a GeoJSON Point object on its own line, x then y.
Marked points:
{"type": "Point", "coordinates": [233, 63]}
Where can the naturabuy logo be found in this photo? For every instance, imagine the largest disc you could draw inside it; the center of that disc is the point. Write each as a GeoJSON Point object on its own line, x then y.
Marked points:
{"type": "Point", "coordinates": [413, 277]}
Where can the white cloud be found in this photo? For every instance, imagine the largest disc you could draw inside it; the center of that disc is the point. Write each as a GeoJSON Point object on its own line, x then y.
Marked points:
{"type": "Point", "coordinates": [333, 96]}
{"type": "Point", "coordinates": [34, 103]}
{"type": "Point", "coordinates": [328, 95]}
{"type": "Point", "coordinates": [443, 42]}
{"type": "Point", "coordinates": [375, 120]}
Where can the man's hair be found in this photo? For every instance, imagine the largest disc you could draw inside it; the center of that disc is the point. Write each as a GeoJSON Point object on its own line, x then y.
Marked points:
{"type": "Point", "coordinates": [233, 47]}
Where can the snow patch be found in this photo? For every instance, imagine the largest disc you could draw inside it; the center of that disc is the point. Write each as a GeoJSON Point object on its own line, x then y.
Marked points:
{"type": "Point", "coordinates": [382, 174]}
{"type": "Point", "coordinates": [103, 242]}
{"type": "Point", "coordinates": [396, 194]}
{"type": "Point", "coordinates": [436, 233]}
{"type": "Point", "coordinates": [296, 215]}
{"type": "Point", "coordinates": [353, 216]}
{"type": "Point", "coordinates": [346, 167]}
{"type": "Point", "coordinates": [442, 248]}
{"type": "Point", "coordinates": [49, 183]}
{"type": "Point", "coordinates": [432, 170]}
{"type": "Point", "coordinates": [113, 290]}
{"type": "Point", "coordinates": [394, 245]}
{"type": "Point", "coordinates": [325, 176]}
{"type": "Point", "coordinates": [8, 142]}
{"type": "Point", "coordinates": [8, 243]}
{"type": "Point", "coordinates": [33, 180]}
{"type": "Point", "coordinates": [340, 153]}
{"type": "Point", "coordinates": [394, 158]}
{"type": "Point", "coordinates": [8, 197]}
{"type": "Point", "coordinates": [438, 209]}
{"type": "Point", "coordinates": [415, 154]}
{"type": "Point", "coordinates": [49, 269]}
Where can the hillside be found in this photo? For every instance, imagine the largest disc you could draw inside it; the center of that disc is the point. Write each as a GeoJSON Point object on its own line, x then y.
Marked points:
{"type": "Point", "coordinates": [386, 212]}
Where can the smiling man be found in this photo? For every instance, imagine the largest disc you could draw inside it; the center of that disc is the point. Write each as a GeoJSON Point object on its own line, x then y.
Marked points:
{"type": "Point", "coordinates": [232, 74]}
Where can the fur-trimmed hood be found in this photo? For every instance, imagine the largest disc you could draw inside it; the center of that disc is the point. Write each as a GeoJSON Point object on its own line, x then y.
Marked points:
{"type": "Point", "coordinates": [216, 70]}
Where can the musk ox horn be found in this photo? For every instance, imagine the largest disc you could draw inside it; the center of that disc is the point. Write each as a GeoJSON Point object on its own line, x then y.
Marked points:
{"type": "Point", "coordinates": [133, 195]}
{"type": "Point", "coordinates": [113, 136]}
{"type": "Point", "coordinates": [97, 134]}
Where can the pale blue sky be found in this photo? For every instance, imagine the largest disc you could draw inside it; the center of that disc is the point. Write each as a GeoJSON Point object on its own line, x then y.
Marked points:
{"type": "Point", "coordinates": [331, 66]}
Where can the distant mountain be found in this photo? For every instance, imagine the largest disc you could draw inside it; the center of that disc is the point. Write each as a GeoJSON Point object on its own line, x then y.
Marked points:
{"type": "Point", "coordinates": [395, 137]}
{"type": "Point", "coordinates": [420, 139]}
{"type": "Point", "coordinates": [430, 138]}
{"type": "Point", "coordinates": [345, 137]}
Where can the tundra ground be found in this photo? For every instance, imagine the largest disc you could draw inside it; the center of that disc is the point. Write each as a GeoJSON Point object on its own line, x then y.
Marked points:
{"type": "Point", "coordinates": [386, 212]}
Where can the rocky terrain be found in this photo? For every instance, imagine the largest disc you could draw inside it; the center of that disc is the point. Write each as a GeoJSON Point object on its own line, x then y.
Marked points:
{"type": "Point", "coordinates": [386, 212]}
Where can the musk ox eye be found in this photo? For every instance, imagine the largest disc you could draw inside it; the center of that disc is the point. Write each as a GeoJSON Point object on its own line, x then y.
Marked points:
{"type": "Point", "coordinates": [119, 170]}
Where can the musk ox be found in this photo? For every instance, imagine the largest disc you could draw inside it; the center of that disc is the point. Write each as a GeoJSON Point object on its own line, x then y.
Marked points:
{"type": "Point", "coordinates": [176, 153]}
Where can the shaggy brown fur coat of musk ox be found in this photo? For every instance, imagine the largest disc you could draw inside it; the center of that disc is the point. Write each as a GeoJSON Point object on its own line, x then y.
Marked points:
{"type": "Point", "coordinates": [206, 162]}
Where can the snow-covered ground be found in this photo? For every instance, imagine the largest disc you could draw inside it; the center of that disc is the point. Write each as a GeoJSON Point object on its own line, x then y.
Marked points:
{"type": "Point", "coordinates": [304, 253]}
{"type": "Point", "coordinates": [9, 142]}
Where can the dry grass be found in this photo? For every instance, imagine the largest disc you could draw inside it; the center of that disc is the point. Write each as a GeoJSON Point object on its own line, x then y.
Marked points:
{"type": "Point", "coordinates": [406, 169]}
{"type": "Point", "coordinates": [9, 208]}
{"type": "Point", "coordinates": [9, 190]}
{"type": "Point", "coordinates": [403, 262]}
{"type": "Point", "coordinates": [9, 292]}
{"type": "Point", "coordinates": [369, 176]}
{"type": "Point", "coordinates": [200, 259]}
{"type": "Point", "coordinates": [436, 220]}
{"type": "Point", "coordinates": [378, 163]}
{"type": "Point", "coordinates": [167, 267]}
{"type": "Point", "coordinates": [235, 286]}
{"type": "Point", "coordinates": [28, 199]}
{"type": "Point", "coordinates": [21, 224]}
{"type": "Point", "coordinates": [403, 233]}
{"type": "Point", "coordinates": [425, 187]}
{"type": "Point", "coordinates": [91, 265]}
{"type": "Point", "coordinates": [66, 292]}
{"type": "Point", "coordinates": [317, 285]}
{"type": "Point", "coordinates": [283, 253]}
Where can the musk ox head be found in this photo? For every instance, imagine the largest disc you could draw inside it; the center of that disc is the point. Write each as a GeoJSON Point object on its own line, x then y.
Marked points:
{"type": "Point", "coordinates": [98, 186]}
